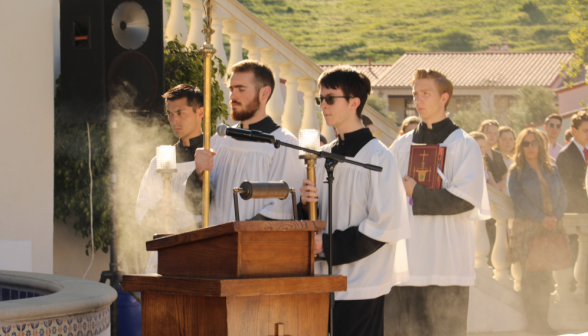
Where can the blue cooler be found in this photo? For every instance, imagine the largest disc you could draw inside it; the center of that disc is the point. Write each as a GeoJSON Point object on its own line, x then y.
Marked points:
{"type": "Point", "coordinates": [129, 314]}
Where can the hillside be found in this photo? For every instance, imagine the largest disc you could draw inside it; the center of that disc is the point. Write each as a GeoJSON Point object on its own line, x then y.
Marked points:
{"type": "Point", "coordinates": [353, 30]}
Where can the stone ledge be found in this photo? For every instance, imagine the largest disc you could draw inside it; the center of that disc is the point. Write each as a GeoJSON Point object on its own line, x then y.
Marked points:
{"type": "Point", "coordinates": [71, 296]}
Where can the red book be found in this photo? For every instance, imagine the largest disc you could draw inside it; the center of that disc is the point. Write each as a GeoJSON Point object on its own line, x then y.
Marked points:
{"type": "Point", "coordinates": [423, 163]}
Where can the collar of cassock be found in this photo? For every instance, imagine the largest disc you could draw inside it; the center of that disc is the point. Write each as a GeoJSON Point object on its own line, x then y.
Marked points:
{"type": "Point", "coordinates": [186, 153]}
{"type": "Point", "coordinates": [440, 131]}
{"type": "Point", "coordinates": [353, 143]}
{"type": "Point", "coordinates": [266, 125]}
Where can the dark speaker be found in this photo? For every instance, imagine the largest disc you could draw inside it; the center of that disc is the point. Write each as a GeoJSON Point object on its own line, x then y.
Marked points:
{"type": "Point", "coordinates": [111, 59]}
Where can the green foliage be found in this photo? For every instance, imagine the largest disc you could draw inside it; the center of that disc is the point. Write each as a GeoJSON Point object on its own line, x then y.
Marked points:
{"type": "Point", "coordinates": [578, 34]}
{"type": "Point", "coordinates": [330, 31]}
{"type": "Point", "coordinates": [377, 103]}
{"type": "Point", "coordinates": [469, 120]}
{"type": "Point", "coordinates": [533, 104]}
{"type": "Point", "coordinates": [535, 15]}
{"type": "Point", "coordinates": [71, 177]}
{"type": "Point", "coordinates": [185, 65]}
{"type": "Point", "coordinates": [455, 40]}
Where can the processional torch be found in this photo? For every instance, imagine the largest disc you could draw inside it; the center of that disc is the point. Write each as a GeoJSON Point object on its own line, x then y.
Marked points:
{"type": "Point", "coordinates": [310, 139]}
{"type": "Point", "coordinates": [166, 166]}
{"type": "Point", "coordinates": [207, 51]}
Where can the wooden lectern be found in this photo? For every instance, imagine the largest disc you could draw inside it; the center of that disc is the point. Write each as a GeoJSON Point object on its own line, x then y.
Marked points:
{"type": "Point", "coordinates": [242, 278]}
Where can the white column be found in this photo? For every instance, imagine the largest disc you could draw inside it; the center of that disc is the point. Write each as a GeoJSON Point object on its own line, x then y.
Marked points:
{"type": "Point", "coordinates": [499, 253]}
{"type": "Point", "coordinates": [517, 273]}
{"type": "Point", "coordinates": [254, 44]}
{"type": "Point", "coordinates": [176, 26]}
{"type": "Point", "coordinates": [563, 279]}
{"type": "Point", "coordinates": [292, 117]}
{"type": "Point", "coordinates": [309, 116]}
{"type": "Point", "coordinates": [218, 15]}
{"type": "Point", "coordinates": [235, 30]}
{"type": "Point", "coordinates": [196, 12]}
{"type": "Point", "coordinates": [580, 268]}
{"type": "Point", "coordinates": [482, 248]}
{"type": "Point", "coordinates": [275, 106]}
{"type": "Point", "coordinates": [164, 15]}
{"type": "Point", "coordinates": [327, 131]}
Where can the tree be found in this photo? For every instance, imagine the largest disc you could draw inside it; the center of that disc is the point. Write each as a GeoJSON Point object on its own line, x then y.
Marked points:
{"type": "Point", "coordinates": [533, 104]}
{"type": "Point", "coordinates": [579, 37]}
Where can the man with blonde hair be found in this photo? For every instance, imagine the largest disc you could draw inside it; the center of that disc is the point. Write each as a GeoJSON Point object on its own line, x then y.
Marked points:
{"type": "Point", "coordinates": [434, 301]}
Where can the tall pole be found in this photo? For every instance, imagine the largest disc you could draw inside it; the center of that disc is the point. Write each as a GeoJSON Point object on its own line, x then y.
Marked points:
{"type": "Point", "coordinates": [207, 51]}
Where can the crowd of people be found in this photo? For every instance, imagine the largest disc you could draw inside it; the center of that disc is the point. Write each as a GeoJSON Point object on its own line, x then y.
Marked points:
{"type": "Point", "coordinates": [393, 238]}
{"type": "Point", "coordinates": [543, 185]}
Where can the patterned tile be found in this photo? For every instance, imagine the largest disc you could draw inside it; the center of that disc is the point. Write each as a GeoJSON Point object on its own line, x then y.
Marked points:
{"type": "Point", "coordinates": [91, 324]}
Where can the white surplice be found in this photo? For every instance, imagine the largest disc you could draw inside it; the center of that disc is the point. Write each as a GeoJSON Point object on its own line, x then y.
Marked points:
{"type": "Point", "coordinates": [441, 250]}
{"type": "Point", "coordinates": [151, 192]}
{"type": "Point", "coordinates": [376, 202]}
{"type": "Point", "coordinates": [237, 161]}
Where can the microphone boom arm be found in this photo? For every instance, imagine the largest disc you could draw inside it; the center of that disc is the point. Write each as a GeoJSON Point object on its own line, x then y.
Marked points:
{"type": "Point", "coordinates": [328, 155]}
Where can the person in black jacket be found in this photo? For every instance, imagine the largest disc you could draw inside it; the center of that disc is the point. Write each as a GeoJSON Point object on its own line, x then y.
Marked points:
{"type": "Point", "coordinates": [572, 162]}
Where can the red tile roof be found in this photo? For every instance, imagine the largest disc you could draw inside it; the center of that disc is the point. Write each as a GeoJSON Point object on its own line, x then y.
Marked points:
{"type": "Point", "coordinates": [472, 69]}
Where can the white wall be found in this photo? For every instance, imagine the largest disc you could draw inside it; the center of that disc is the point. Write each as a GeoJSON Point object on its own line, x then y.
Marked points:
{"type": "Point", "coordinates": [26, 130]}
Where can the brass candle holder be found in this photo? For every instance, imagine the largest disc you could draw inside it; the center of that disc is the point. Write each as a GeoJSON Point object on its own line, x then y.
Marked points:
{"type": "Point", "coordinates": [166, 166]}
{"type": "Point", "coordinates": [310, 138]}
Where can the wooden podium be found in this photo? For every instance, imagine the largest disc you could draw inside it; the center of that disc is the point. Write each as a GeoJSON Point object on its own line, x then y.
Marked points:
{"type": "Point", "coordinates": [242, 278]}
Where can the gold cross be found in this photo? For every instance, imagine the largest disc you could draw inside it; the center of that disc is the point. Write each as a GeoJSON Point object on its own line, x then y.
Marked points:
{"type": "Point", "coordinates": [423, 155]}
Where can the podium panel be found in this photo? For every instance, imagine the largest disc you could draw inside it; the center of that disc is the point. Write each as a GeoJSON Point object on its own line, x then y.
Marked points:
{"type": "Point", "coordinates": [237, 279]}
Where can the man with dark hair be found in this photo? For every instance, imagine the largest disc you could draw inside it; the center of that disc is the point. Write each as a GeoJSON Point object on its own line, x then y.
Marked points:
{"type": "Point", "coordinates": [552, 128]}
{"type": "Point", "coordinates": [571, 163]}
{"type": "Point", "coordinates": [434, 301]}
{"type": "Point", "coordinates": [568, 136]}
{"type": "Point", "coordinates": [232, 161]}
{"type": "Point", "coordinates": [184, 105]}
{"type": "Point", "coordinates": [370, 219]}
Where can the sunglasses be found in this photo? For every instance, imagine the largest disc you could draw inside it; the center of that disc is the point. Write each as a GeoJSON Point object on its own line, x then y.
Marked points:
{"type": "Point", "coordinates": [552, 125]}
{"type": "Point", "coordinates": [329, 99]}
{"type": "Point", "coordinates": [533, 143]}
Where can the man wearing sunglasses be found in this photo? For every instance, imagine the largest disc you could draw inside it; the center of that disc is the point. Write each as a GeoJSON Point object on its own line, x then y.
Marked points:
{"type": "Point", "coordinates": [232, 161]}
{"type": "Point", "coordinates": [434, 301]}
{"type": "Point", "coordinates": [552, 128]}
{"type": "Point", "coordinates": [370, 217]}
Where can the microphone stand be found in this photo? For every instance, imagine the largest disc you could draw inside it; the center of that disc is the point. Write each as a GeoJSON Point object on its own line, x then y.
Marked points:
{"type": "Point", "coordinates": [330, 163]}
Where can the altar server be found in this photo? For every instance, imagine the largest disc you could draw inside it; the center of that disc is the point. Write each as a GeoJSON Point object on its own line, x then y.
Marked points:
{"type": "Point", "coordinates": [434, 301]}
{"type": "Point", "coordinates": [370, 214]}
{"type": "Point", "coordinates": [231, 161]}
{"type": "Point", "coordinates": [184, 104]}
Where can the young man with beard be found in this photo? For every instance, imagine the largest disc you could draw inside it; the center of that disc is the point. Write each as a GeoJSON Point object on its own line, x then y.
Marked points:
{"type": "Point", "coordinates": [184, 104]}
{"type": "Point", "coordinates": [434, 301]}
{"type": "Point", "coordinates": [370, 217]}
{"type": "Point", "coordinates": [232, 161]}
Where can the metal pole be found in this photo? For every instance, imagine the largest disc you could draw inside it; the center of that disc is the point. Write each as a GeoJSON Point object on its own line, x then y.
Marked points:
{"type": "Point", "coordinates": [207, 51]}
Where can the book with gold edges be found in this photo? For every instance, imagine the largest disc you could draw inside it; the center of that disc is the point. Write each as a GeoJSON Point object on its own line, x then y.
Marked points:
{"type": "Point", "coordinates": [423, 163]}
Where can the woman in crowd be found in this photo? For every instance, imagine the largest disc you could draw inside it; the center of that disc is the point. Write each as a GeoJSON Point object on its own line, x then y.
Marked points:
{"type": "Point", "coordinates": [482, 143]}
{"type": "Point", "coordinates": [506, 144]}
{"type": "Point", "coordinates": [493, 159]}
{"type": "Point", "coordinates": [539, 199]}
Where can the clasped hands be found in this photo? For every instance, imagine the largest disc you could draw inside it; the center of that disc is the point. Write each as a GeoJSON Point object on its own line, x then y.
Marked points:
{"type": "Point", "coordinates": [550, 223]}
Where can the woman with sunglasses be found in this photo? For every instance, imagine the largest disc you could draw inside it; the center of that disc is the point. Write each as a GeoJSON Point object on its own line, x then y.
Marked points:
{"type": "Point", "coordinates": [539, 199]}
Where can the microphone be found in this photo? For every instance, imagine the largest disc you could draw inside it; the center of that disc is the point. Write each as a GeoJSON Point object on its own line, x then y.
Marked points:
{"type": "Point", "coordinates": [243, 134]}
